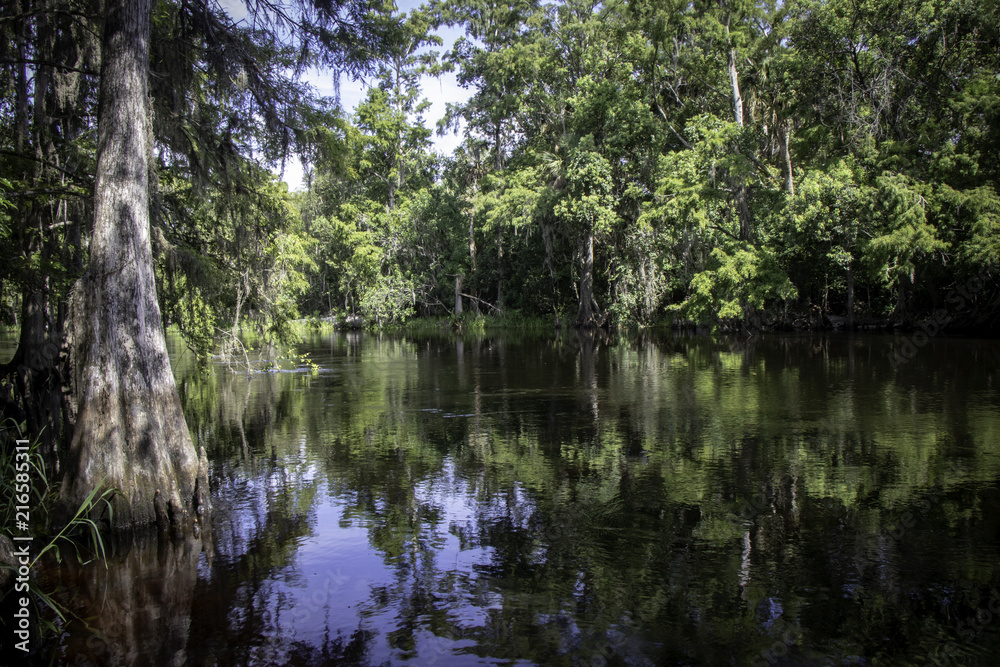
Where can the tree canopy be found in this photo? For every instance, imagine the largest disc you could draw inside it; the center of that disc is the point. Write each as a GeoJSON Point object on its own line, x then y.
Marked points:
{"type": "Point", "coordinates": [732, 164]}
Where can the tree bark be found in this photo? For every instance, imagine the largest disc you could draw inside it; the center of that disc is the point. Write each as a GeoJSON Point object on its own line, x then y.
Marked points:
{"type": "Point", "coordinates": [36, 373]}
{"type": "Point", "coordinates": [742, 195]}
{"type": "Point", "coordinates": [21, 118]}
{"type": "Point", "coordinates": [900, 312]}
{"type": "Point", "coordinates": [130, 432]}
{"type": "Point", "coordinates": [850, 296]}
{"type": "Point", "coordinates": [585, 314]}
{"type": "Point", "coordinates": [738, 185]}
{"type": "Point", "coordinates": [472, 242]}
{"type": "Point", "coordinates": [500, 267]}
{"type": "Point", "coordinates": [734, 78]}
{"type": "Point", "coordinates": [472, 260]}
{"type": "Point", "coordinates": [786, 139]}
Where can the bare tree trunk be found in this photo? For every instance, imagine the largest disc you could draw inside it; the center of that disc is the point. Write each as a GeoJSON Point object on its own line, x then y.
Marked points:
{"type": "Point", "coordinates": [496, 144]}
{"type": "Point", "coordinates": [37, 375]}
{"type": "Point", "coordinates": [738, 185]}
{"type": "Point", "coordinates": [786, 138]}
{"type": "Point", "coordinates": [585, 314]}
{"type": "Point", "coordinates": [850, 296]}
{"type": "Point", "coordinates": [458, 295]}
{"type": "Point", "coordinates": [472, 242]}
{"type": "Point", "coordinates": [743, 210]}
{"type": "Point", "coordinates": [500, 267]}
{"type": "Point", "coordinates": [130, 432]}
{"type": "Point", "coordinates": [499, 167]}
{"type": "Point", "coordinates": [734, 79]}
{"type": "Point", "coordinates": [472, 259]}
{"type": "Point", "coordinates": [21, 118]}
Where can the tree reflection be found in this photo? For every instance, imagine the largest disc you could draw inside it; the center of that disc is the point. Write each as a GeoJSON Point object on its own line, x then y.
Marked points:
{"type": "Point", "coordinates": [137, 611]}
{"type": "Point", "coordinates": [639, 500]}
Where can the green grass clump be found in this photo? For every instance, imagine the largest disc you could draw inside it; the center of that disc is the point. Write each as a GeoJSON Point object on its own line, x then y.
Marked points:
{"type": "Point", "coordinates": [81, 533]}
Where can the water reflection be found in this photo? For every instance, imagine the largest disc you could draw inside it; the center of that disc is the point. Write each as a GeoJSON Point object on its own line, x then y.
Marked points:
{"type": "Point", "coordinates": [138, 610]}
{"type": "Point", "coordinates": [581, 500]}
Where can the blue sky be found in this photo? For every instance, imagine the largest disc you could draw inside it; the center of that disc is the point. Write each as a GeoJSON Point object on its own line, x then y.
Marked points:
{"type": "Point", "coordinates": [439, 91]}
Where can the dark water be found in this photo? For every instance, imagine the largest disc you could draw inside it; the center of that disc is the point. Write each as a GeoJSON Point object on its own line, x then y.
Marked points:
{"type": "Point", "coordinates": [568, 500]}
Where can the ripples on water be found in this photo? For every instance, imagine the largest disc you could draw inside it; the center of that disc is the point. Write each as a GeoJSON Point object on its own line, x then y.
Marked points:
{"type": "Point", "coordinates": [569, 500]}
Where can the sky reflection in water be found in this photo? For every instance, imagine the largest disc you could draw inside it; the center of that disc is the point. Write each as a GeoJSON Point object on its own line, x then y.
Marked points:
{"type": "Point", "coordinates": [572, 500]}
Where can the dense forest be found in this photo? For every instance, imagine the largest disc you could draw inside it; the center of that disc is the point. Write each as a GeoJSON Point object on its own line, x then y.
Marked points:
{"type": "Point", "coordinates": [735, 164]}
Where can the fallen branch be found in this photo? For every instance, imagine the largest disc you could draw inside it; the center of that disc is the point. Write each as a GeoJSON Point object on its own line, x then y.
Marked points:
{"type": "Point", "coordinates": [478, 300]}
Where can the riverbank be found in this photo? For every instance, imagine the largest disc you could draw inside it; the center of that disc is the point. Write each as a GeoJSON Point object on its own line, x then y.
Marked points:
{"type": "Point", "coordinates": [955, 321]}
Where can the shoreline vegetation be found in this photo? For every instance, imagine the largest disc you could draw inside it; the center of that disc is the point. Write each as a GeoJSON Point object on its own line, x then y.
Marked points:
{"type": "Point", "coordinates": [939, 322]}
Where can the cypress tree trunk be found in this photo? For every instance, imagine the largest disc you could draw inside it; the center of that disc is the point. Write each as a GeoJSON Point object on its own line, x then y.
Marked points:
{"type": "Point", "coordinates": [34, 372]}
{"type": "Point", "coordinates": [786, 139]}
{"type": "Point", "coordinates": [585, 314]}
{"type": "Point", "coordinates": [472, 261]}
{"type": "Point", "coordinates": [500, 267]}
{"type": "Point", "coordinates": [130, 432]}
{"type": "Point", "coordinates": [850, 296]}
{"type": "Point", "coordinates": [738, 185]}
{"type": "Point", "coordinates": [734, 80]}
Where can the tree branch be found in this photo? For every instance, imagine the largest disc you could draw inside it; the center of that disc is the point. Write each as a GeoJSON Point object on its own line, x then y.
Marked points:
{"type": "Point", "coordinates": [667, 123]}
{"type": "Point", "coordinates": [725, 231]}
{"type": "Point", "coordinates": [477, 299]}
{"type": "Point", "coordinates": [73, 175]}
{"type": "Point", "coordinates": [47, 192]}
{"type": "Point", "coordinates": [46, 63]}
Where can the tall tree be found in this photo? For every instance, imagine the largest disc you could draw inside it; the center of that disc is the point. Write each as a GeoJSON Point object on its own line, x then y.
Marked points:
{"type": "Point", "coordinates": [48, 65]}
{"type": "Point", "coordinates": [130, 432]}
